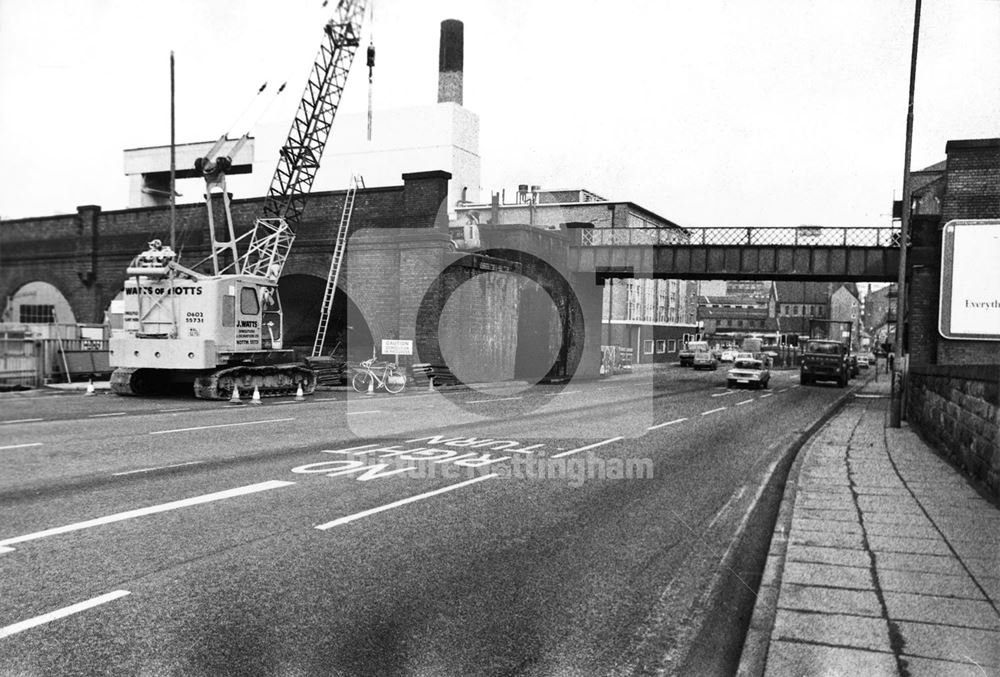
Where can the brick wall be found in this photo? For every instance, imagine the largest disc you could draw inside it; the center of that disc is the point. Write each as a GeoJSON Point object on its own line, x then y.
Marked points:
{"type": "Point", "coordinates": [958, 409]}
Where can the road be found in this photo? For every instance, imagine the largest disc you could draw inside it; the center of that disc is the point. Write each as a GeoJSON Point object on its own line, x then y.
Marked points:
{"type": "Point", "coordinates": [559, 530]}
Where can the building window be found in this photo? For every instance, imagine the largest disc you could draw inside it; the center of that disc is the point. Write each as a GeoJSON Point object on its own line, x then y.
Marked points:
{"type": "Point", "coordinates": [661, 346]}
{"type": "Point", "coordinates": [647, 347]}
{"type": "Point", "coordinates": [37, 314]}
{"type": "Point", "coordinates": [795, 310]}
{"type": "Point", "coordinates": [672, 345]}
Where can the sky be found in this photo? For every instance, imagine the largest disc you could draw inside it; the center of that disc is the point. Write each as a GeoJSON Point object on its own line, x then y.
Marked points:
{"type": "Point", "coordinates": [716, 112]}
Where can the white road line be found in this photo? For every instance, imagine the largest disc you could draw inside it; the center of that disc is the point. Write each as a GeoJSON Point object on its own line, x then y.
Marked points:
{"type": "Point", "coordinates": [344, 451]}
{"type": "Point", "coordinates": [24, 420]}
{"type": "Point", "coordinates": [219, 425]}
{"type": "Point", "coordinates": [117, 413]}
{"type": "Point", "coordinates": [499, 399]}
{"type": "Point", "coordinates": [661, 425]}
{"type": "Point", "coordinates": [141, 512]}
{"type": "Point", "coordinates": [589, 446]}
{"type": "Point", "coordinates": [712, 411]}
{"type": "Point", "coordinates": [768, 395]}
{"type": "Point", "coordinates": [370, 411]}
{"type": "Point", "coordinates": [404, 501]}
{"type": "Point", "coordinates": [794, 386]}
{"type": "Point", "coordinates": [22, 446]}
{"type": "Point", "coordinates": [164, 411]}
{"type": "Point", "coordinates": [744, 402]}
{"type": "Point", "coordinates": [61, 613]}
{"type": "Point", "coordinates": [728, 392]}
{"type": "Point", "coordinates": [159, 467]}
{"type": "Point", "coordinates": [781, 390]}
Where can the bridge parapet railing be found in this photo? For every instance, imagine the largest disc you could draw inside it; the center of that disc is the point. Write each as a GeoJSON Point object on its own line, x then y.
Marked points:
{"type": "Point", "coordinates": [740, 236]}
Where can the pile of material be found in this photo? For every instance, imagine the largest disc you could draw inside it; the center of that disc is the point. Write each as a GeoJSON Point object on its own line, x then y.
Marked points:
{"type": "Point", "coordinates": [329, 372]}
{"type": "Point", "coordinates": [423, 371]}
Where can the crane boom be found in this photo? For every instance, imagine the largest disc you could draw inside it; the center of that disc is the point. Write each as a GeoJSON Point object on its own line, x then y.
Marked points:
{"type": "Point", "coordinates": [299, 157]}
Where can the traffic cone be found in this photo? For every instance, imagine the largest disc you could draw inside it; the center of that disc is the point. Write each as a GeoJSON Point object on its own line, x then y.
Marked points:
{"type": "Point", "coordinates": [371, 386]}
{"type": "Point", "coordinates": [90, 387]}
{"type": "Point", "coordinates": [235, 398]}
{"type": "Point", "coordinates": [298, 393]}
{"type": "Point", "coordinates": [430, 384]}
{"type": "Point", "coordinates": [256, 396]}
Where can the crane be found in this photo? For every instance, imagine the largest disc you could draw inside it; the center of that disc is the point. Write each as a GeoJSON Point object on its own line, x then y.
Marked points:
{"type": "Point", "coordinates": [218, 327]}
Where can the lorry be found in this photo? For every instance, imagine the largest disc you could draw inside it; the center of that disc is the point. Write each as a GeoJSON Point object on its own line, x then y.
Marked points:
{"type": "Point", "coordinates": [826, 354]}
{"type": "Point", "coordinates": [686, 354]}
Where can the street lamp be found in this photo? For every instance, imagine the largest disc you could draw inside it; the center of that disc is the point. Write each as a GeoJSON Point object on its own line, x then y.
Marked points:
{"type": "Point", "coordinates": [896, 397]}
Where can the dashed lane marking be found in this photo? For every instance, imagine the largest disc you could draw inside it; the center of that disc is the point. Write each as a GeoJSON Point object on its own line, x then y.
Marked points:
{"type": "Point", "coordinates": [744, 402]}
{"type": "Point", "coordinates": [728, 392]}
{"type": "Point", "coordinates": [369, 411]}
{"type": "Point", "coordinates": [499, 399]}
{"type": "Point", "coordinates": [404, 501]}
{"type": "Point", "coordinates": [117, 413]}
{"type": "Point", "coordinates": [141, 512]}
{"type": "Point", "coordinates": [768, 395]}
{"type": "Point", "coordinates": [166, 411]}
{"type": "Point", "coordinates": [781, 390]}
{"type": "Point", "coordinates": [712, 411]}
{"type": "Point", "coordinates": [22, 446]}
{"type": "Point", "coordinates": [661, 425]}
{"type": "Point", "coordinates": [161, 467]}
{"type": "Point", "coordinates": [589, 446]}
{"type": "Point", "coordinates": [221, 425]}
{"type": "Point", "coordinates": [9, 630]}
{"type": "Point", "coordinates": [24, 420]}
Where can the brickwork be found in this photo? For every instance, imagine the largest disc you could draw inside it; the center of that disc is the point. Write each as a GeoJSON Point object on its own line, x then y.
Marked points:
{"type": "Point", "coordinates": [958, 409]}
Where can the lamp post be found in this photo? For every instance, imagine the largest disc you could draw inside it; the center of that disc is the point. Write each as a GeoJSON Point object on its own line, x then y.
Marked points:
{"type": "Point", "coordinates": [896, 397]}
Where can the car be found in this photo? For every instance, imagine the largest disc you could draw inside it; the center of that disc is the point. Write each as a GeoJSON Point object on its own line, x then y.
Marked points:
{"type": "Point", "coordinates": [744, 356]}
{"type": "Point", "coordinates": [863, 362]}
{"type": "Point", "coordinates": [703, 359]}
{"type": "Point", "coordinates": [749, 372]}
{"type": "Point", "coordinates": [728, 355]}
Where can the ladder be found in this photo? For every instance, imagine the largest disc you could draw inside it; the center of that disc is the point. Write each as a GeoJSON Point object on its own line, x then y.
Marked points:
{"type": "Point", "coordinates": [340, 246]}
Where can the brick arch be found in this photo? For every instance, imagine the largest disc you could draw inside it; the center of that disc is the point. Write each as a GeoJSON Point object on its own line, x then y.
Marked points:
{"type": "Point", "coordinates": [348, 333]}
{"type": "Point", "coordinates": [11, 291]}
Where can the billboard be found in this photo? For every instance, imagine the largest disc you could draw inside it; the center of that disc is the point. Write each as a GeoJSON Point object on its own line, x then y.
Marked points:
{"type": "Point", "coordinates": [970, 280]}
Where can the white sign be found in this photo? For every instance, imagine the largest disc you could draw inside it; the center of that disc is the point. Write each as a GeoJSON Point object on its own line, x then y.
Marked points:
{"type": "Point", "coordinates": [970, 280]}
{"type": "Point", "coordinates": [396, 347]}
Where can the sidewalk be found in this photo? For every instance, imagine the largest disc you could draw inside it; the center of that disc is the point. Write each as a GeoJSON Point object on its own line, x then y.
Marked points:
{"type": "Point", "coordinates": [883, 561]}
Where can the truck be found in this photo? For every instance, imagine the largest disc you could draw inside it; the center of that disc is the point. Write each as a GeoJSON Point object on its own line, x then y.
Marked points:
{"type": "Point", "coordinates": [826, 354]}
{"type": "Point", "coordinates": [686, 354]}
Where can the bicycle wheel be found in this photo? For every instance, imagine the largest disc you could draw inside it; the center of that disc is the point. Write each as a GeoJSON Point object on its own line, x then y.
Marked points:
{"type": "Point", "coordinates": [361, 381]}
{"type": "Point", "coordinates": [395, 381]}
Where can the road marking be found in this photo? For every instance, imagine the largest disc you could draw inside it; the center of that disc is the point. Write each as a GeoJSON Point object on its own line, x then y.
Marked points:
{"type": "Point", "coordinates": [370, 411]}
{"type": "Point", "coordinates": [781, 390]}
{"type": "Point", "coordinates": [173, 410]}
{"type": "Point", "coordinates": [589, 446]}
{"type": "Point", "coordinates": [160, 467]}
{"type": "Point", "coordinates": [61, 613]}
{"type": "Point", "coordinates": [22, 446]}
{"type": "Point", "coordinates": [23, 420]}
{"type": "Point", "coordinates": [499, 399]}
{"type": "Point", "coordinates": [712, 411]}
{"type": "Point", "coordinates": [219, 425]}
{"type": "Point", "coordinates": [288, 402]}
{"type": "Point", "coordinates": [404, 501]}
{"type": "Point", "coordinates": [744, 402]}
{"type": "Point", "coordinates": [660, 425]}
{"type": "Point", "coordinates": [728, 392]}
{"type": "Point", "coordinates": [344, 451]}
{"type": "Point", "coordinates": [141, 512]}
{"type": "Point", "coordinates": [794, 386]}
{"type": "Point", "coordinates": [768, 395]}
{"type": "Point", "coordinates": [117, 413]}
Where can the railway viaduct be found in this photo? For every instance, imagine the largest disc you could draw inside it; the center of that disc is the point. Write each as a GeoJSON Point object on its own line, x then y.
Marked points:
{"type": "Point", "coordinates": [528, 303]}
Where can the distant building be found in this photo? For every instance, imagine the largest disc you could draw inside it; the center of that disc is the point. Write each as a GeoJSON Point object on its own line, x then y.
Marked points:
{"type": "Point", "coordinates": [845, 307]}
{"type": "Point", "coordinates": [747, 307]}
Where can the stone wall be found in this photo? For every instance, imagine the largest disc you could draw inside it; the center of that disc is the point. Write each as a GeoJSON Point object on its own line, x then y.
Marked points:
{"type": "Point", "coordinates": [957, 408]}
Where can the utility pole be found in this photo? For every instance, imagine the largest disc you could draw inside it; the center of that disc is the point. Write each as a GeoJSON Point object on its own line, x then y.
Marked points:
{"type": "Point", "coordinates": [896, 398]}
{"type": "Point", "coordinates": [173, 160]}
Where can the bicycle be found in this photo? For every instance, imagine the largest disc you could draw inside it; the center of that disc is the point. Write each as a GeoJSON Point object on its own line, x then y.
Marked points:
{"type": "Point", "coordinates": [391, 378]}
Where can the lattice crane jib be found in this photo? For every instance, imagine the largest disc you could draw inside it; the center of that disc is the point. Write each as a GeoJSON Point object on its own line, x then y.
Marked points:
{"type": "Point", "coordinates": [299, 158]}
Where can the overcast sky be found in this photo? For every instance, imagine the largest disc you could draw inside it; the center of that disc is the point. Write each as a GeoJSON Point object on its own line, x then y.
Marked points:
{"type": "Point", "coordinates": [716, 112]}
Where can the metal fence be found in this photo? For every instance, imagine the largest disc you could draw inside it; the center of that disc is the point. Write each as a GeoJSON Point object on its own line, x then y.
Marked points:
{"type": "Point", "coordinates": [761, 236]}
{"type": "Point", "coordinates": [32, 362]}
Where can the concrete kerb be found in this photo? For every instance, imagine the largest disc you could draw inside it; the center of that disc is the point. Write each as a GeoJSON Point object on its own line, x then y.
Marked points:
{"type": "Point", "coordinates": [734, 614]}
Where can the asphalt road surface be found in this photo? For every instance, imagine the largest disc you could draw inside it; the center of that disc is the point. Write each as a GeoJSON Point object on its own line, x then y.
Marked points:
{"type": "Point", "coordinates": [555, 530]}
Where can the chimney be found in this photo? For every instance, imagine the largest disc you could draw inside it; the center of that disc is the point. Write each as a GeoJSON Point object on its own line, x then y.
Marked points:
{"type": "Point", "coordinates": [450, 62]}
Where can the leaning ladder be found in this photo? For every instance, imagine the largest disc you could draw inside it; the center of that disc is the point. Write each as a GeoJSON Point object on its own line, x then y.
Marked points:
{"type": "Point", "coordinates": [340, 246]}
